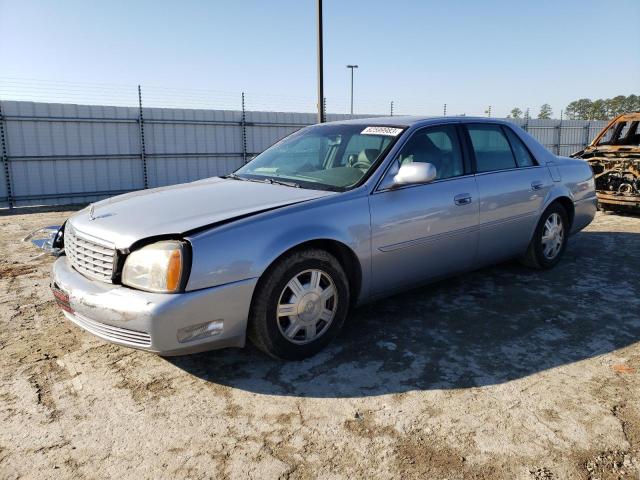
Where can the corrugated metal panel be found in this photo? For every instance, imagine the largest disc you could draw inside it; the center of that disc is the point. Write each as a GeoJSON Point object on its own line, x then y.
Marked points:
{"type": "Point", "coordinates": [69, 149]}
{"type": "Point", "coordinates": [3, 189]}
{"type": "Point", "coordinates": [562, 137]}
{"type": "Point", "coordinates": [171, 170]}
{"type": "Point", "coordinates": [63, 153]}
{"type": "Point", "coordinates": [261, 136]}
{"type": "Point", "coordinates": [171, 131]}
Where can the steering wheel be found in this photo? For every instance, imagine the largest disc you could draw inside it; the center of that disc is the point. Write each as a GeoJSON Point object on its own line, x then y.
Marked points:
{"type": "Point", "coordinates": [361, 164]}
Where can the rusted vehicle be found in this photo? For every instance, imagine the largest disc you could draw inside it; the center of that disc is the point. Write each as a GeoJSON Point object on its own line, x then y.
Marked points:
{"type": "Point", "coordinates": [614, 157]}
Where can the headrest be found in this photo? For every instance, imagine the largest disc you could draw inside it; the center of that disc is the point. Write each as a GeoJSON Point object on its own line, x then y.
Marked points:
{"type": "Point", "coordinates": [368, 155]}
{"type": "Point", "coordinates": [424, 143]}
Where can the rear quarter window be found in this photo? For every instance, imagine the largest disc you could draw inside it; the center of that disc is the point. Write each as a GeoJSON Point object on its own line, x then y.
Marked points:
{"type": "Point", "coordinates": [523, 157]}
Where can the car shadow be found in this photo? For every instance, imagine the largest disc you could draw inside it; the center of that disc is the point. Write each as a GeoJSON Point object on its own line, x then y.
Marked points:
{"type": "Point", "coordinates": [483, 328]}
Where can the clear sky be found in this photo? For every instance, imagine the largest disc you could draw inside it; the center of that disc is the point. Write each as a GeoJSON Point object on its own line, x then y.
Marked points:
{"type": "Point", "coordinates": [420, 54]}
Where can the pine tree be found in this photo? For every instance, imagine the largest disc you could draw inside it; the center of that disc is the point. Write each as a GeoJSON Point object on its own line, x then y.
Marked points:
{"type": "Point", "coordinates": [545, 112]}
{"type": "Point", "coordinates": [515, 113]}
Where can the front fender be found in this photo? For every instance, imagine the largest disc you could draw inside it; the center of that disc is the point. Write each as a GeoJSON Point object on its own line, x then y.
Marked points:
{"type": "Point", "coordinates": [245, 249]}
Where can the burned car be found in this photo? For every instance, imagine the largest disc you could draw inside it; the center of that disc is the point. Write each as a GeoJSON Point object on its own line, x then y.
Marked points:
{"type": "Point", "coordinates": [614, 157]}
{"type": "Point", "coordinates": [330, 217]}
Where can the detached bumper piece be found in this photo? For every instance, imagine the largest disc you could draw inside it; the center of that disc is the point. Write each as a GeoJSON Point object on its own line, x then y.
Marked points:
{"type": "Point", "coordinates": [47, 239]}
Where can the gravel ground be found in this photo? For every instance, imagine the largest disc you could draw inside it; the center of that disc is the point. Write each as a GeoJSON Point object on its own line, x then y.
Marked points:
{"type": "Point", "coordinates": [500, 374]}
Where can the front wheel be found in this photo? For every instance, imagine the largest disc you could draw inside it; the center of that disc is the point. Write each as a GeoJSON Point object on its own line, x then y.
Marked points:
{"type": "Point", "coordinates": [549, 240]}
{"type": "Point", "coordinates": [300, 305]}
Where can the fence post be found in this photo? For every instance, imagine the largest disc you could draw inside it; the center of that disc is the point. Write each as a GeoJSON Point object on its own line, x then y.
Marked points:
{"type": "Point", "coordinates": [559, 138]}
{"type": "Point", "coordinates": [143, 150]}
{"type": "Point", "coordinates": [587, 130]}
{"type": "Point", "coordinates": [243, 126]}
{"type": "Point", "coordinates": [5, 160]}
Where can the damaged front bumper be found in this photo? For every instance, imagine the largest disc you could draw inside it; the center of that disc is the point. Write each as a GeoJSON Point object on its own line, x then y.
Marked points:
{"type": "Point", "coordinates": [166, 324]}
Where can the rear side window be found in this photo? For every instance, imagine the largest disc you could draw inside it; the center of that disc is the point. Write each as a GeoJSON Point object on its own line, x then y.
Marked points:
{"type": "Point", "coordinates": [523, 157]}
{"type": "Point", "coordinates": [491, 148]}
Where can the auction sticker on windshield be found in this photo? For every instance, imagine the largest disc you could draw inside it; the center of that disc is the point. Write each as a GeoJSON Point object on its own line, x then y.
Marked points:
{"type": "Point", "coordinates": [391, 131]}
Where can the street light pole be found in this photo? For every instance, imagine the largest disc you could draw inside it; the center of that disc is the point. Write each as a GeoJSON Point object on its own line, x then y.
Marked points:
{"type": "Point", "coordinates": [352, 67]}
{"type": "Point", "coordinates": [320, 67]}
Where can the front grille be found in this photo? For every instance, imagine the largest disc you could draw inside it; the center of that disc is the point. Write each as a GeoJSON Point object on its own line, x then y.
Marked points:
{"type": "Point", "coordinates": [88, 255]}
{"type": "Point", "coordinates": [109, 332]}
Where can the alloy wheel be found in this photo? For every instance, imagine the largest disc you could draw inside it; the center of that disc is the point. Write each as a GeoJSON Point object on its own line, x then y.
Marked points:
{"type": "Point", "coordinates": [307, 305]}
{"type": "Point", "coordinates": [552, 236]}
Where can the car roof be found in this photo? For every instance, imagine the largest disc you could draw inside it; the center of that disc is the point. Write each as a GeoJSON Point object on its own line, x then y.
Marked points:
{"type": "Point", "coordinates": [410, 121]}
{"type": "Point", "coordinates": [628, 117]}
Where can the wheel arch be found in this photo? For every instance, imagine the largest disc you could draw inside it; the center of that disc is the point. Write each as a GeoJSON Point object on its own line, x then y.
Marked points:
{"type": "Point", "coordinates": [567, 204]}
{"type": "Point", "coordinates": [562, 195]}
{"type": "Point", "coordinates": [563, 199]}
{"type": "Point", "coordinates": [343, 253]}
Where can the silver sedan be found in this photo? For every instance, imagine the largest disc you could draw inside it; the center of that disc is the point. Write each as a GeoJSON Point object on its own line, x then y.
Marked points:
{"type": "Point", "coordinates": [328, 218]}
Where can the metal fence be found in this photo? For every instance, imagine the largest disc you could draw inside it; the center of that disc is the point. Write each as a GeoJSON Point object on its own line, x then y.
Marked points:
{"type": "Point", "coordinates": [562, 137]}
{"type": "Point", "coordinates": [66, 153]}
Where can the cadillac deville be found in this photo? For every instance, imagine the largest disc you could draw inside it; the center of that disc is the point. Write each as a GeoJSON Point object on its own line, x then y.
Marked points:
{"type": "Point", "coordinates": [332, 216]}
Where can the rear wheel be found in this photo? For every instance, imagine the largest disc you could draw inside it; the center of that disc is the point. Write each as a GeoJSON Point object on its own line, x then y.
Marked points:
{"type": "Point", "coordinates": [300, 305]}
{"type": "Point", "coordinates": [549, 240]}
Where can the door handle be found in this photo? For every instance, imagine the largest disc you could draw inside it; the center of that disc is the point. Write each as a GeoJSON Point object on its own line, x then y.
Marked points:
{"type": "Point", "coordinates": [536, 185]}
{"type": "Point", "coordinates": [462, 199]}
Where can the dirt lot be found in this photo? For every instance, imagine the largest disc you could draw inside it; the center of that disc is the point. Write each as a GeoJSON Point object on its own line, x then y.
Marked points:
{"type": "Point", "coordinates": [503, 373]}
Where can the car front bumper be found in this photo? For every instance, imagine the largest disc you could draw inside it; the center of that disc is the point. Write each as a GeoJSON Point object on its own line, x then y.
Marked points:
{"type": "Point", "coordinates": [153, 321]}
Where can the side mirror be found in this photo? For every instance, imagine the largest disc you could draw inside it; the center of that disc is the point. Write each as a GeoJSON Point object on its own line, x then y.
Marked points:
{"type": "Point", "coordinates": [413, 173]}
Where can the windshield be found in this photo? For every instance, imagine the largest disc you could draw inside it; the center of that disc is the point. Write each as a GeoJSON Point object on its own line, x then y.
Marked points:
{"type": "Point", "coordinates": [323, 157]}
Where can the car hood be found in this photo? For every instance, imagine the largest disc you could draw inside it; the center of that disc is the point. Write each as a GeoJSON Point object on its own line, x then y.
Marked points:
{"type": "Point", "coordinates": [176, 209]}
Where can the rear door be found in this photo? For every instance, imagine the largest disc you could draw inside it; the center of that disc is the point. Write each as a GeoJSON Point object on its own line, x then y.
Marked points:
{"type": "Point", "coordinates": [421, 232]}
{"type": "Point", "coordinates": [511, 187]}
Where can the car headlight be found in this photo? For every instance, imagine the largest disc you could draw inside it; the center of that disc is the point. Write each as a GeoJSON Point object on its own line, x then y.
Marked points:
{"type": "Point", "coordinates": [159, 267]}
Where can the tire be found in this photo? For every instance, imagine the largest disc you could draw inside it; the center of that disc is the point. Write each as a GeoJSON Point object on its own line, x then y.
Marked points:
{"type": "Point", "coordinates": [291, 337]}
{"type": "Point", "coordinates": [538, 253]}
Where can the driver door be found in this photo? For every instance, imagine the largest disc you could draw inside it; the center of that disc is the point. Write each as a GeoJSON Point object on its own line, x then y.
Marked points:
{"type": "Point", "coordinates": [425, 231]}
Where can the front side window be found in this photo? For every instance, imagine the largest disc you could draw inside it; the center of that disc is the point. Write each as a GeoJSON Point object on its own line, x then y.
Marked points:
{"type": "Point", "coordinates": [523, 157]}
{"type": "Point", "coordinates": [491, 148]}
{"type": "Point", "coordinates": [437, 146]}
{"type": "Point", "coordinates": [323, 157]}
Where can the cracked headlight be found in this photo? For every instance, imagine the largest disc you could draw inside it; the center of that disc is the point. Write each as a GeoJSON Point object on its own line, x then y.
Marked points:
{"type": "Point", "coordinates": [159, 267]}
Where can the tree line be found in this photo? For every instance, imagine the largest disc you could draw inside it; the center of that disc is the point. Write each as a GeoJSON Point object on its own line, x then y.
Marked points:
{"type": "Point", "coordinates": [587, 109]}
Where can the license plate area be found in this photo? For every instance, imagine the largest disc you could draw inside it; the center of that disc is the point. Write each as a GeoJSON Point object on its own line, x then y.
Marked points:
{"type": "Point", "coordinates": [62, 298]}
